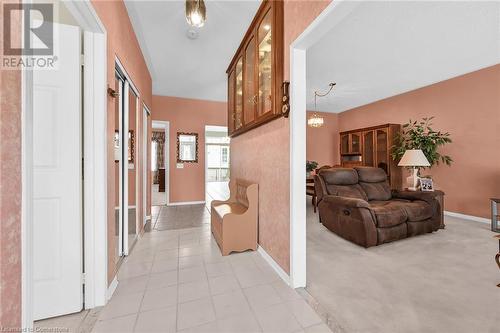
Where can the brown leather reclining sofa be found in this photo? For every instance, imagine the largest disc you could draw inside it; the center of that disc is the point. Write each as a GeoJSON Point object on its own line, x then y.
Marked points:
{"type": "Point", "coordinates": [358, 205]}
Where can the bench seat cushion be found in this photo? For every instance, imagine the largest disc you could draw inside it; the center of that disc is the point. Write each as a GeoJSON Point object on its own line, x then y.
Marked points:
{"type": "Point", "coordinates": [229, 208]}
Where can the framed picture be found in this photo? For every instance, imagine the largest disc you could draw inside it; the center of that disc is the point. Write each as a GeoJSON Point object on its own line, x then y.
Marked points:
{"type": "Point", "coordinates": [426, 185]}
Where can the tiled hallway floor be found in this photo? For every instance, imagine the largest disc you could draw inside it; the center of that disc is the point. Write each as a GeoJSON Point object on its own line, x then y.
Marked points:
{"type": "Point", "coordinates": [177, 281]}
{"type": "Point", "coordinates": [179, 217]}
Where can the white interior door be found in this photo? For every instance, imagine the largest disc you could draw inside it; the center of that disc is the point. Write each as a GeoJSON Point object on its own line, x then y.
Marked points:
{"type": "Point", "coordinates": [57, 181]}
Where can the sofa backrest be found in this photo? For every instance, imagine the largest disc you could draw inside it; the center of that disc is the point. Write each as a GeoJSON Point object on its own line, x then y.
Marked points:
{"type": "Point", "coordinates": [374, 183]}
{"type": "Point", "coordinates": [342, 182]}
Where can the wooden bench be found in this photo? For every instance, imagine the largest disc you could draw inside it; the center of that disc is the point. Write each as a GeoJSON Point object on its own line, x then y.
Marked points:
{"type": "Point", "coordinates": [234, 222]}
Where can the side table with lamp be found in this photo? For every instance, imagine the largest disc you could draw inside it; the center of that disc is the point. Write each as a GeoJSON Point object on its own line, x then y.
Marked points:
{"type": "Point", "coordinates": [415, 158]}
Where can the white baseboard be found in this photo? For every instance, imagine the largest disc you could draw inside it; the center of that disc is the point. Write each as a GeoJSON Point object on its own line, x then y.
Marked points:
{"type": "Point", "coordinates": [467, 217]}
{"type": "Point", "coordinates": [183, 203]}
{"type": "Point", "coordinates": [111, 289]}
{"type": "Point", "coordinates": [281, 273]}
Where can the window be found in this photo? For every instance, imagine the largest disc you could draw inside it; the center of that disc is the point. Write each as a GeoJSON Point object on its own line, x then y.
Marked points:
{"type": "Point", "coordinates": [224, 154]}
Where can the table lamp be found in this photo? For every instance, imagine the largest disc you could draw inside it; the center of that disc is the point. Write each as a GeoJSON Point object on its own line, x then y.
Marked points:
{"type": "Point", "coordinates": [413, 158]}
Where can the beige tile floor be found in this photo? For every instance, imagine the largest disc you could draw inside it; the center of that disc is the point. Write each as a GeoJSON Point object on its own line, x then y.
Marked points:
{"type": "Point", "coordinates": [177, 281]}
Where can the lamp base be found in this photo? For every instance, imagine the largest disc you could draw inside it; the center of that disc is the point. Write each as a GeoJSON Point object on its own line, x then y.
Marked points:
{"type": "Point", "coordinates": [412, 180]}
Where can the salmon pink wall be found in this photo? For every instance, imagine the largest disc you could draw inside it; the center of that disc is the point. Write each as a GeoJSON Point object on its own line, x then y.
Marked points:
{"type": "Point", "coordinates": [121, 43]}
{"type": "Point", "coordinates": [468, 107]}
{"type": "Point", "coordinates": [262, 155]}
{"type": "Point", "coordinates": [10, 190]}
{"type": "Point", "coordinates": [322, 143]}
{"type": "Point", "coordinates": [188, 115]}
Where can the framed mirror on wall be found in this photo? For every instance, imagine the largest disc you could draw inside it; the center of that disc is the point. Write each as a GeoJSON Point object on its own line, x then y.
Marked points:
{"type": "Point", "coordinates": [187, 147]}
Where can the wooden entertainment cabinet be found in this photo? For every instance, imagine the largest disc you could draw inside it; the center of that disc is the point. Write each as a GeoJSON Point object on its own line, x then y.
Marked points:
{"type": "Point", "coordinates": [371, 146]}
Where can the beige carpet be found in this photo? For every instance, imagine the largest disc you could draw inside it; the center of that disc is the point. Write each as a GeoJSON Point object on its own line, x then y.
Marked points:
{"type": "Point", "coordinates": [440, 282]}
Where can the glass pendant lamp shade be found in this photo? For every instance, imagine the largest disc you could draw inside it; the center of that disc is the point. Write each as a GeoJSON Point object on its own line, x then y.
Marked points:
{"type": "Point", "coordinates": [196, 13]}
{"type": "Point", "coordinates": [315, 121]}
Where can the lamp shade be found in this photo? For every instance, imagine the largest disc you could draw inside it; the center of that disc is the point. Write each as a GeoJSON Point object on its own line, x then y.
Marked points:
{"type": "Point", "coordinates": [414, 158]}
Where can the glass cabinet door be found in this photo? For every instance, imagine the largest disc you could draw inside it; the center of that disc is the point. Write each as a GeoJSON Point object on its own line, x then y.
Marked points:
{"type": "Point", "coordinates": [344, 144]}
{"type": "Point", "coordinates": [382, 152]}
{"type": "Point", "coordinates": [368, 149]}
{"type": "Point", "coordinates": [355, 143]}
{"type": "Point", "coordinates": [264, 33]}
{"type": "Point", "coordinates": [238, 107]}
{"type": "Point", "coordinates": [249, 76]}
{"type": "Point", "coordinates": [230, 101]}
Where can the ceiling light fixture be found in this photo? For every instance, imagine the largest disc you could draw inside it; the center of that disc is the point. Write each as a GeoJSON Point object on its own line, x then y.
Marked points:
{"type": "Point", "coordinates": [196, 13]}
{"type": "Point", "coordinates": [192, 33]}
{"type": "Point", "coordinates": [316, 120]}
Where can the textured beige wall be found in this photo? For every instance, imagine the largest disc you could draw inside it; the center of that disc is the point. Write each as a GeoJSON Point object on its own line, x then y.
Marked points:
{"type": "Point", "coordinates": [188, 115]}
{"type": "Point", "coordinates": [262, 155]}
{"type": "Point", "coordinates": [468, 107]}
{"type": "Point", "coordinates": [122, 43]}
{"type": "Point", "coordinates": [10, 189]}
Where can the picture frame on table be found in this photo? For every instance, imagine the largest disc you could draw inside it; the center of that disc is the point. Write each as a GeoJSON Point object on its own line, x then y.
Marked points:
{"type": "Point", "coordinates": [426, 185]}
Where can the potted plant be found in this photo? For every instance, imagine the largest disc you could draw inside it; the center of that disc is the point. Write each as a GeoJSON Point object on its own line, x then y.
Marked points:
{"type": "Point", "coordinates": [310, 167]}
{"type": "Point", "coordinates": [420, 135]}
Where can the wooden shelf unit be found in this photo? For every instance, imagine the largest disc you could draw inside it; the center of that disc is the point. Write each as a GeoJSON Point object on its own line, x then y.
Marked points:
{"type": "Point", "coordinates": [371, 146]}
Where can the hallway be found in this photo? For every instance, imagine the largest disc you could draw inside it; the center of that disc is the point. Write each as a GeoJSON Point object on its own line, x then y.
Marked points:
{"type": "Point", "coordinates": [177, 281]}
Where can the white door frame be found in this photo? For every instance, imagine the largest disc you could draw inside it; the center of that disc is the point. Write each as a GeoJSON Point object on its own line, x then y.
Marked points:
{"type": "Point", "coordinates": [95, 166]}
{"type": "Point", "coordinates": [128, 85]}
{"type": "Point", "coordinates": [166, 154]}
{"type": "Point", "coordinates": [145, 114]}
{"type": "Point", "coordinates": [207, 128]}
{"type": "Point", "coordinates": [314, 32]}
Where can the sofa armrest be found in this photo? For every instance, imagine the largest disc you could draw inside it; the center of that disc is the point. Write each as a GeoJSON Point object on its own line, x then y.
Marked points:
{"type": "Point", "coordinates": [429, 197]}
{"type": "Point", "coordinates": [346, 201]}
{"type": "Point", "coordinates": [349, 218]}
{"type": "Point", "coordinates": [319, 188]}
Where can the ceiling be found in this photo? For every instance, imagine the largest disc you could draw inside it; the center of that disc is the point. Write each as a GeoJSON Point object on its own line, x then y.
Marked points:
{"type": "Point", "coordinates": [183, 67]}
{"type": "Point", "coordinates": [382, 49]}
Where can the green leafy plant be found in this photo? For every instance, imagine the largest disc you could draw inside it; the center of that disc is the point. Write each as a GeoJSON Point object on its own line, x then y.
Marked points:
{"type": "Point", "coordinates": [311, 166]}
{"type": "Point", "coordinates": [420, 135]}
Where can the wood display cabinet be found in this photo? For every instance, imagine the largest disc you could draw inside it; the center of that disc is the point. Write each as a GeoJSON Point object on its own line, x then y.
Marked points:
{"type": "Point", "coordinates": [255, 74]}
{"type": "Point", "coordinates": [371, 146]}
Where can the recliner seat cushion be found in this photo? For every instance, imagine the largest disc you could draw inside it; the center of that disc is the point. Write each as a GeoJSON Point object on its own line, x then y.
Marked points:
{"type": "Point", "coordinates": [377, 191]}
{"type": "Point", "coordinates": [388, 213]}
{"type": "Point", "coordinates": [350, 191]}
{"type": "Point", "coordinates": [343, 182]}
{"type": "Point", "coordinates": [371, 174]}
{"type": "Point", "coordinates": [374, 183]}
{"type": "Point", "coordinates": [417, 210]}
{"type": "Point", "coordinates": [339, 176]}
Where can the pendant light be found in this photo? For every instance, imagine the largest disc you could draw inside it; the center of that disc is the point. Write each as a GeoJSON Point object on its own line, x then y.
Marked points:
{"type": "Point", "coordinates": [196, 13]}
{"type": "Point", "coordinates": [316, 120]}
